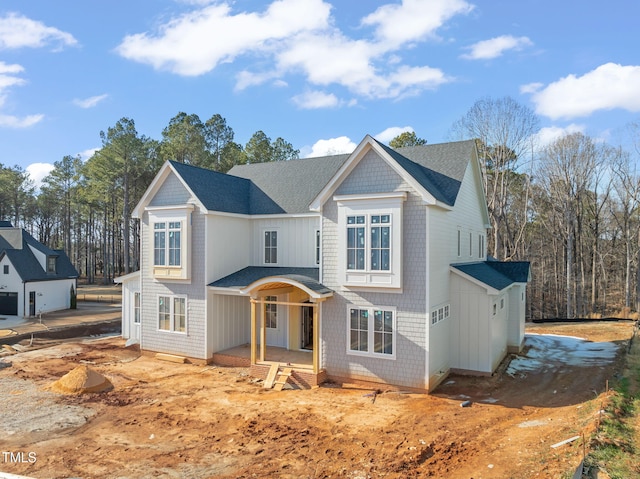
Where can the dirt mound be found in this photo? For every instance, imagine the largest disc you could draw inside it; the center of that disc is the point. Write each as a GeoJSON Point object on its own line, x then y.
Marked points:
{"type": "Point", "coordinates": [81, 380]}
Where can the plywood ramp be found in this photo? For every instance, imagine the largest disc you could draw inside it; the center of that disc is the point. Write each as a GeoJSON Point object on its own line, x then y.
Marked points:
{"type": "Point", "coordinates": [271, 377]}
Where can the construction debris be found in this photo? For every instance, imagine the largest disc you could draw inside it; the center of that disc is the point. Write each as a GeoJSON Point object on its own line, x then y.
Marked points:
{"type": "Point", "coordinates": [566, 441]}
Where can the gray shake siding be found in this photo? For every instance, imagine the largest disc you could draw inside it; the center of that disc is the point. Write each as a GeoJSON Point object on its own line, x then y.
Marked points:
{"type": "Point", "coordinates": [191, 343]}
{"type": "Point", "coordinates": [373, 175]}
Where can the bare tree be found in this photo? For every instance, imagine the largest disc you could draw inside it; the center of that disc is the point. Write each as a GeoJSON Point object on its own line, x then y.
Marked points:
{"type": "Point", "coordinates": [504, 130]}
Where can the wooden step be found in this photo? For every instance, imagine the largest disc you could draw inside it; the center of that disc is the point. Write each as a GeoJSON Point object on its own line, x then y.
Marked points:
{"type": "Point", "coordinates": [282, 379]}
{"type": "Point", "coordinates": [271, 377]}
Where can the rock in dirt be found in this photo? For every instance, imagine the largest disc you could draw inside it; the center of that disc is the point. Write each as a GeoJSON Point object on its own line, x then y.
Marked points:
{"type": "Point", "coordinates": [82, 380]}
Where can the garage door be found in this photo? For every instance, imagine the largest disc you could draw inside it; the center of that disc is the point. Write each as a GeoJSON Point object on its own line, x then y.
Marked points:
{"type": "Point", "coordinates": [9, 304]}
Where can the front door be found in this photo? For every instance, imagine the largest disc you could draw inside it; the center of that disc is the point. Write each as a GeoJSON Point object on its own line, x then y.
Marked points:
{"type": "Point", "coordinates": [306, 327]}
{"type": "Point", "coordinates": [275, 323]}
{"type": "Point", "coordinates": [134, 331]}
{"type": "Point", "coordinates": [32, 303]}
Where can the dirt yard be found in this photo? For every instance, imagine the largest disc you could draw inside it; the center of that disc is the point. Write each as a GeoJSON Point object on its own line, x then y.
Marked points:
{"type": "Point", "coordinates": [166, 420]}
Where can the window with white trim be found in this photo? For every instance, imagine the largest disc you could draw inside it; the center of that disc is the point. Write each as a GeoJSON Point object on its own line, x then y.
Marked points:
{"type": "Point", "coordinates": [271, 312]}
{"type": "Point", "coordinates": [459, 243]}
{"type": "Point", "coordinates": [370, 239]}
{"type": "Point", "coordinates": [167, 243]}
{"type": "Point", "coordinates": [271, 247]}
{"type": "Point", "coordinates": [372, 331]}
{"type": "Point", "coordinates": [470, 244]}
{"type": "Point", "coordinates": [172, 313]}
{"type": "Point", "coordinates": [440, 314]}
{"type": "Point", "coordinates": [369, 242]}
{"type": "Point", "coordinates": [480, 246]}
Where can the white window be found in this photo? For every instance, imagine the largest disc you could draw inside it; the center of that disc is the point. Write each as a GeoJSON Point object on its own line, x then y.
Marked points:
{"type": "Point", "coordinates": [480, 246]}
{"type": "Point", "coordinates": [167, 252]}
{"type": "Point", "coordinates": [172, 313]}
{"type": "Point", "coordinates": [370, 239]}
{"type": "Point", "coordinates": [317, 246]}
{"type": "Point", "coordinates": [440, 314]}
{"type": "Point", "coordinates": [271, 312]}
{"type": "Point", "coordinates": [459, 243]}
{"type": "Point", "coordinates": [470, 244]}
{"type": "Point", "coordinates": [371, 331]}
{"type": "Point", "coordinates": [271, 247]}
{"type": "Point", "coordinates": [369, 242]}
{"type": "Point", "coordinates": [136, 308]}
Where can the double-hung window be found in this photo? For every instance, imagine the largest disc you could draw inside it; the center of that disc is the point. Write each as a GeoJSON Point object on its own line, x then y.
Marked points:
{"type": "Point", "coordinates": [271, 247]}
{"type": "Point", "coordinates": [167, 243]}
{"type": "Point", "coordinates": [369, 242]}
{"type": "Point", "coordinates": [372, 331]}
{"type": "Point", "coordinates": [172, 313]}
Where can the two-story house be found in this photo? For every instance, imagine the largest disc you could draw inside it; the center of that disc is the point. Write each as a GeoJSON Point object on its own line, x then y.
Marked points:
{"type": "Point", "coordinates": [34, 279]}
{"type": "Point", "coordinates": [369, 266]}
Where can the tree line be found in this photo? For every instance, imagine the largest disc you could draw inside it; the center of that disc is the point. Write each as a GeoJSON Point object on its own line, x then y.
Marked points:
{"type": "Point", "coordinates": [571, 206]}
{"type": "Point", "coordinates": [85, 208]}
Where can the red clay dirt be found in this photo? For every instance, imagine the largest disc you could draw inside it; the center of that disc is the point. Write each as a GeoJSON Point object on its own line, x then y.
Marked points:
{"type": "Point", "coordinates": [185, 421]}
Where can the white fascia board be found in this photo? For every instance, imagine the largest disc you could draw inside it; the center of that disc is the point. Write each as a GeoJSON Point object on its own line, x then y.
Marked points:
{"type": "Point", "coordinates": [156, 184]}
{"type": "Point", "coordinates": [127, 277]}
{"type": "Point", "coordinates": [227, 291]}
{"type": "Point", "coordinates": [367, 144]}
{"type": "Point", "coordinates": [250, 217]}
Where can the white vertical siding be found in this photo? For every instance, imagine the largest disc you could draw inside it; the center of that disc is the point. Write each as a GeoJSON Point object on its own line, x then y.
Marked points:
{"type": "Point", "coordinates": [50, 295]}
{"type": "Point", "coordinates": [230, 321]}
{"type": "Point", "coordinates": [516, 319]}
{"type": "Point", "coordinates": [296, 240]}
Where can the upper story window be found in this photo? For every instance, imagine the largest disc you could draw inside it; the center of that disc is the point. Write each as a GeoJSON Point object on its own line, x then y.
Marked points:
{"type": "Point", "coordinates": [369, 242]}
{"type": "Point", "coordinates": [480, 246]}
{"type": "Point", "coordinates": [271, 247]}
{"type": "Point", "coordinates": [51, 264]}
{"type": "Point", "coordinates": [167, 243]}
{"type": "Point", "coordinates": [6, 269]}
{"type": "Point", "coordinates": [370, 239]}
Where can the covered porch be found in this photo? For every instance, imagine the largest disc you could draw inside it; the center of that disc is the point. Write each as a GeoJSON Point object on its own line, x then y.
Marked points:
{"type": "Point", "coordinates": [284, 321]}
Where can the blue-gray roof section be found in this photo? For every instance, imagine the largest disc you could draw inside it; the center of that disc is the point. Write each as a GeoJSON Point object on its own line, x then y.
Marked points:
{"type": "Point", "coordinates": [496, 274]}
{"type": "Point", "coordinates": [24, 260]}
{"type": "Point", "coordinates": [246, 276]}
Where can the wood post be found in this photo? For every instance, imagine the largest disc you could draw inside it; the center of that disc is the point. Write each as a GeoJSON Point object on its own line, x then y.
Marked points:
{"type": "Point", "coordinates": [316, 335]}
{"type": "Point", "coordinates": [254, 337]}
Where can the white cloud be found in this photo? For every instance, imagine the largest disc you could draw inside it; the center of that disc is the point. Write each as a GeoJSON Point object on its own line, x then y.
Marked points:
{"type": "Point", "coordinates": [607, 87]}
{"type": "Point", "coordinates": [549, 134]}
{"type": "Point", "coordinates": [332, 146]}
{"type": "Point", "coordinates": [531, 87]}
{"type": "Point", "coordinates": [38, 171]}
{"type": "Point", "coordinates": [197, 42]}
{"type": "Point", "coordinates": [300, 37]}
{"type": "Point", "coordinates": [389, 134]}
{"type": "Point", "coordinates": [413, 20]}
{"type": "Point", "coordinates": [312, 100]}
{"type": "Point", "coordinates": [86, 154]}
{"type": "Point", "coordinates": [17, 122]}
{"type": "Point", "coordinates": [17, 31]}
{"type": "Point", "coordinates": [495, 47]}
{"type": "Point", "coordinates": [90, 102]}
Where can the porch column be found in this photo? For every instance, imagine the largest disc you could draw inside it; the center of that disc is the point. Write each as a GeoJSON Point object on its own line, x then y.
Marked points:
{"type": "Point", "coordinates": [263, 332]}
{"type": "Point", "coordinates": [254, 328]}
{"type": "Point", "coordinates": [316, 338]}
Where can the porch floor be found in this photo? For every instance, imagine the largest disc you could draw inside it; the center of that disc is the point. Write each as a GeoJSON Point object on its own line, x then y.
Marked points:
{"type": "Point", "coordinates": [282, 356]}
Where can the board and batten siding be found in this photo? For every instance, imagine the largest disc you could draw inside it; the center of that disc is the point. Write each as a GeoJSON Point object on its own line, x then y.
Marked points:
{"type": "Point", "coordinates": [229, 242]}
{"type": "Point", "coordinates": [191, 343]}
{"type": "Point", "coordinates": [374, 175]}
{"type": "Point", "coordinates": [296, 240]}
{"type": "Point", "coordinates": [516, 319]}
{"type": "Point", "coordinates": [230, 318]}
{"type": "Point", "coordinates": [499, 329]}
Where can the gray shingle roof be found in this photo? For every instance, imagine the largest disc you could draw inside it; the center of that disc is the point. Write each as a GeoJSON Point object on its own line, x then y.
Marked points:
{"type": "Point", "coordinates": [26, 263]}
{"type": "Point", "coordinates": [496, 274]}
{"type": "Point", "coordinates": [290, 186]}
{"type": "Point", "coordinates": [293, 184]}
{"type": "Point", "coordinates": [244, 277]}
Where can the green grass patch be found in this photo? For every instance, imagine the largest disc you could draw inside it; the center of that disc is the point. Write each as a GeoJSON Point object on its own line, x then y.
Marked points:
{"type": "Point", "coordinates": [614, 445]}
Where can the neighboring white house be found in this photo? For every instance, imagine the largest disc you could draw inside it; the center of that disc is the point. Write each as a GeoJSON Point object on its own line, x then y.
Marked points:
{"type": "Point", "coordinates": [370, 266]}
{"type": "Point", "coordinates": [34, 279]}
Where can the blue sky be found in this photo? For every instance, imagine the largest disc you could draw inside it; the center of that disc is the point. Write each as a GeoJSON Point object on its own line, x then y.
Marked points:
{"type": "Point", "coordinates": [320, 74]}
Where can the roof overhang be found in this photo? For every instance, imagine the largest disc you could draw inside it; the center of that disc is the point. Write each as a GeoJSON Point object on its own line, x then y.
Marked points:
{"type": "Point", "coordinates": [135, 276]}
{"type": "Point", "coordinates": [265, 285]}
